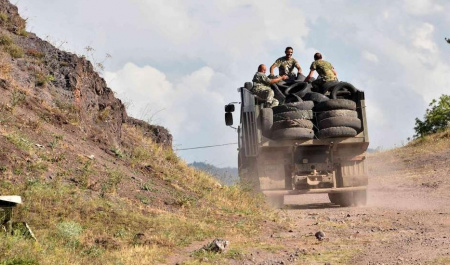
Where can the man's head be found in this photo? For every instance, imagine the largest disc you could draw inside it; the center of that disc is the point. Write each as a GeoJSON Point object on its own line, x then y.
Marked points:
{"type": "Point", "coordinates": [262, 68]}
{"type": "Point", "coordinates": [289, 51]}
{"type": "Point", "coordinates": [317, 56]}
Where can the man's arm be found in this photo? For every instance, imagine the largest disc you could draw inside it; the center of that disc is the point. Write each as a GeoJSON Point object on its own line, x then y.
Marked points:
{"type": "Point", "coordinates": [297, 65]}
{"type": "Point", "coordinates": [334, 71]}
{"type": "Point", "coordinates": [278, 79]}
{"type": "Point", "coordinates": [272, 68]}
{"type": "Point", "coordinates": [310, 75]}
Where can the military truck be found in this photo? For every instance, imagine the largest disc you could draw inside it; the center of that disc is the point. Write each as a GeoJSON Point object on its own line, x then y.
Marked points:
{"type": "Point", "coordinates": [327, 155]}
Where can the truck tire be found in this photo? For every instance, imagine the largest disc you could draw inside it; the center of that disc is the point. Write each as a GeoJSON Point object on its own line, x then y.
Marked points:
{"type": "Point", "coordinates": [278, 94]}
{"type": "Point", "coordinates": [266, 122]}
{"type": "Point", "coordinates": [337, 113]}
{"type": "Point", "coordinates": [328, 86]}
{"type": "Point", "coordinates": [334, 132]}
{"type": "Point", "coordinates": [305, 90]}
{"type": "Point", "coordinates": [292, 115]}
{"type": "Point", "coordinates": [354, 123]}
{"type": "Point", "coordinates": [293, 134]}
{"type": "Point", "coordinates": [316, 97]}
{"type": "Point", "coordinates": [297, 88]}
{"type": "Point", "coordinates": [297, 123]}
{"type": "Point", "coordinates": [304, 105]}
{"type": "Point", "coordinates": [333, 104]}
{"type": "Point", "coordinates": [292, 98]}
{"type": "Point", "coordinates": [360, 198]}
{"type": "Point", "coordinates": [344, 199]}
{"type": "Point", "coordinates": [345, 90]}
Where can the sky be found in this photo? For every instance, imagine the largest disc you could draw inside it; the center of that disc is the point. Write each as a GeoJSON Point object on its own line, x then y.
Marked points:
{"type": "Point", "coordinates": [176, 63]}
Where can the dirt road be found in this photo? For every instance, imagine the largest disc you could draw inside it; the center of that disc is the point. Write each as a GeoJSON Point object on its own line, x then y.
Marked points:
{"type": "Point", "coordinates": [406, 220]}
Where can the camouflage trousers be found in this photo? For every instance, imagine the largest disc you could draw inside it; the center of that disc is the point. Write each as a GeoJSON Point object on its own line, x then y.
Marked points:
{"type": "Point", "coordinates": [266, 95]}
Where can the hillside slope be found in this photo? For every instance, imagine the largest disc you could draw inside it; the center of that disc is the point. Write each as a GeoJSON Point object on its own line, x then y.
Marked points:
{"type": "Point", "coordinates": [99, 187]}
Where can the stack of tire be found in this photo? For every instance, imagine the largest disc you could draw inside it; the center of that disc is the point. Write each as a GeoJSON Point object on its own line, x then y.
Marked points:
{"type": "Point", "coordinates": [337, 118]}
{"type": "Point", "coordinates": [293, 121]}
{"type": "Point", "coordinates": [334, 115]}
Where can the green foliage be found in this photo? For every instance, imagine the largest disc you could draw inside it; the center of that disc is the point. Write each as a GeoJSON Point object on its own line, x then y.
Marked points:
{"type": "Point", "coordinates": [436, 118]}
{"type": "Point", "coordinates": [3, 18]}
{"type": "Point", "coordinates": [5, 40]}
{"type": "Point", "coordinates": [15, 51]}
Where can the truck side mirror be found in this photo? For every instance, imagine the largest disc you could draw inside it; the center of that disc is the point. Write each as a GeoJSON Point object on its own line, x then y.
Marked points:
{"type": "Point", "coordinates": [228, 119]}
{"type": "Point", "coordinates": [229, 108]}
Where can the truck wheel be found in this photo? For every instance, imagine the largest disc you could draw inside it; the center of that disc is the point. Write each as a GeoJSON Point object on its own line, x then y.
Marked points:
{"type": "Point", "coordinates": [293, 134]}
{"type": "Point", "coordinates": [292, 98]}
{"type": "Point", "coordinates": [333, 104]}
{"type": "Point", "coordinates": [275, 201]}
{"type": "Point", "coordinates": [344, 199]}
{"type": "Point", "coordinates": [292, 115]}
{"type": "Point", "coordinates": [337, 113]}
{"type": "Point", "coordinates": [354, 123]}
{"type": "Point", "coordinates": [334, 132]}
{"type": "Point", "coordinates": [266, 122]}
{"type": "Point", "coordinates": [297, 123]}
{"type": "Point", "coordinates": [360, 197]}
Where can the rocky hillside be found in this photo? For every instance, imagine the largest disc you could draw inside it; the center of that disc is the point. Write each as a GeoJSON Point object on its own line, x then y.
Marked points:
{"type": "Point", "coordinates": [99, 187]}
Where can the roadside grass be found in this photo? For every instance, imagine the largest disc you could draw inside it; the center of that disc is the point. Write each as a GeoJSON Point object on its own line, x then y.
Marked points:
{"type": "Point", "coordinates": [77, 225]}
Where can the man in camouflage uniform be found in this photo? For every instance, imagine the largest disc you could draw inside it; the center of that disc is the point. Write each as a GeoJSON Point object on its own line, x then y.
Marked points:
{"type": "Point", "coordinates": [286, 65]}
{"type": "Point", "coordinates": [324, 69]}
{"type": "Point", "coordinates": [261, 86]}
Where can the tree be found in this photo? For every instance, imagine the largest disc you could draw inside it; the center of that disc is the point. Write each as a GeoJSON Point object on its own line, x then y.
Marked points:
{"type": "Point", "coordinates": [436, 118]}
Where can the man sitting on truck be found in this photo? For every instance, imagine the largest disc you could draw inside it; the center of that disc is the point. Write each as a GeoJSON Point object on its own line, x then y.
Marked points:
{"type": "Point", "coordinates": [286, 65]}
{"type": "Point", "coordinates": [324, 69]}
{"type": "Point", "coordinates": [261, 86]}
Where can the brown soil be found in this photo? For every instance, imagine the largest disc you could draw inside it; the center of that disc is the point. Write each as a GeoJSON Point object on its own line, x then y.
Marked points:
{"type": "Point", "coordinates": [406, 220]}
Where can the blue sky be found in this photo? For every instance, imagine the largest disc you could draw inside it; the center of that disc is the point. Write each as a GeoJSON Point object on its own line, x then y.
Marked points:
{"type": "Point", "coordinates": [178, 62]}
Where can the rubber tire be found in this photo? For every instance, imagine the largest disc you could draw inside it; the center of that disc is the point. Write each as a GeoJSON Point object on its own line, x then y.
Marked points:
{"type": "Point", "coordinates": [333, 104]}
{"type": "Point", "coordinates": [278, 94]}
{"type": "Point", "coordinates": [293, 134]}
{"type": "Point", "coordinates": [293, 115]}
{"type": "Point", "coordinates": [304, 105]}
{"type": "Point", "coordinates": [337, 113]}
{"type": "Point", "coordinates": [292, 98]}
{"type": "Point", "coordinates": [298, 123]}
{"type": "Point", "coordinates": [334, 132]}
{"type": "Point", "coordinates": [296, 88]}
{"type": "Point", "coordinates": [266, 122]}
{"type": "Point", "coordinates": [329, 86]}
{"type": "Point", "coordinates": [344, 199]}
{"type": "Point", "coordinates": [360, 197]}
{"type": "Point", "coordinates": [344, 86]}
{"type": "Point", "coordinates": [354, 123]}
{"type": "Point", "coordinates": [316, 97]}
{"type": "Point", "coordinates": [307, 89]}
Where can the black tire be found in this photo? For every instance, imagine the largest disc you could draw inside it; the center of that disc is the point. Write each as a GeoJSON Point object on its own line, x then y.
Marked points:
{"type": "Point", "coordinates": [292, 98]}
{"type": "Point", "coordinates": [295, 88]}
{"type": "Point", "coordinates": [266, 122]}
{"type": "Point", "coordinates": [307, 89]}
{"type": "Point", "coordinates": [354, 123]}
{"type": "Point", "coordinates": [278, 94]}
{"type": "Point", "coordinates": [298, 123]}
{"type": "Point", "coordinates": [316, 97]}
{"type": "Point", "coordinates": [293, 134]}
{"type": "Point", "coordinates": [337, 113]}
{"type": "Point", "coordinates": [304, 105]}
{"type": "Point", "coordinates": [328, 86]}
{"type": "Point", "coordinates": [292, 115]}
{"type": "Point", "coordinates": [333, 104]}
{"type": "Point", "coordinates": [334, 132]}
{"type": "Point", "coordinates": [344, 90]}
{"type": "Point", "coordinates": [344, 199]}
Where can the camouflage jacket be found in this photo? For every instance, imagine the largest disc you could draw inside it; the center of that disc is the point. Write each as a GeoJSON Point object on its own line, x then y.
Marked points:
{"type": "Point", "coordinates": [260, 80]}
{"type": "Point", "coordinates": [285, 66]}
{"type": "Point", "coordinates": [324, 69]}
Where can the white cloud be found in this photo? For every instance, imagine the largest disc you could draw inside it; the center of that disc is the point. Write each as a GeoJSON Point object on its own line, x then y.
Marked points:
{"type": "Point", "coordinates": [423, 38]}
{"type": "Point", "coordinates": [422, 7]}
{"type": "Point", "coordinates": [369, 56]}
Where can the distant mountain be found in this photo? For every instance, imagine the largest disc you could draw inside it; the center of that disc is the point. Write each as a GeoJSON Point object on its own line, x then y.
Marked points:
{"type": "Point", "coordinates": [226, 175]}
